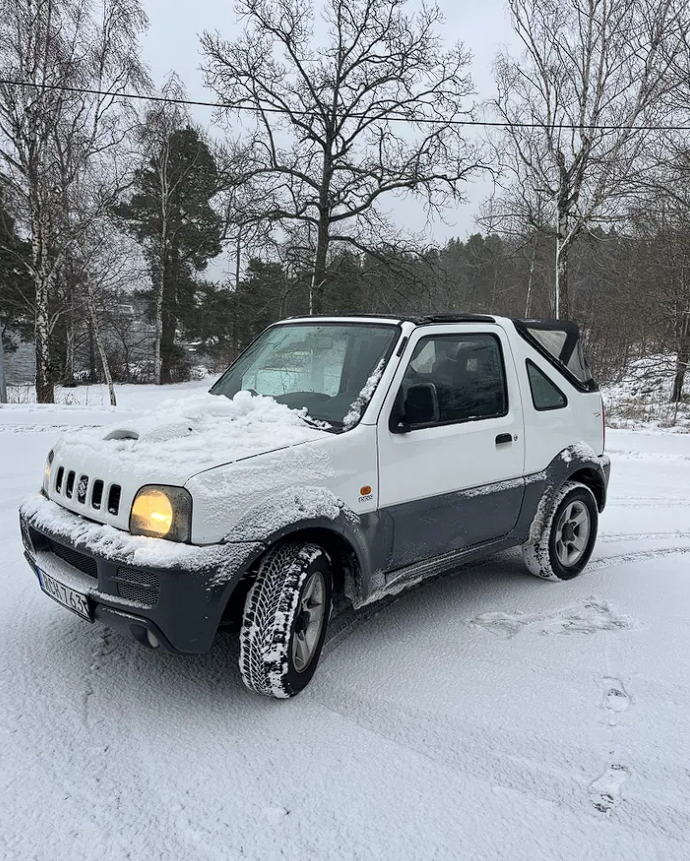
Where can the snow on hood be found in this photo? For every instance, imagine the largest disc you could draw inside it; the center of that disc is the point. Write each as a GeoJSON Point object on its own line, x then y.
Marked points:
{"type": "Point", "coordinates": [185, 436]}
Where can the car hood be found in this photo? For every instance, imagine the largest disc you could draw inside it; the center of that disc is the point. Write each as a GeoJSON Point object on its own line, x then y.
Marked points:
{"type": "Point", "coordinates": [178, 440]}
{"type": "Point", "coordinates": [184, 437]}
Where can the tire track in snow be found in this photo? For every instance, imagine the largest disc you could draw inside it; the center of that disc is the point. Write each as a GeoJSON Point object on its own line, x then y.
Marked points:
{"type": "Point", "coordinates": [192, 829]}
{"type": "Point", "coordinates": [642, 536]}
{"type": "Point", "coordinates": [51, 731]}
{"type": "Point", "coordinates": [102, 649]}
{"type": "Point", "coordinates": [83, 723]}
{"type": "Point", "coordinates": [635, 556]}
{"type": "Point", "coordinates": [528, 763]}
{"type": "Point", "coordinates": [651, 501]}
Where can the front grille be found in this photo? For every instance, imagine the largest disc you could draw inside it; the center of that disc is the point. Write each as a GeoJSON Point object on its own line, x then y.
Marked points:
{"type": "Point", "coordinates": [114, 499]}
{"type": "Point", "coordinates": [140, 586]}
{"type": "Point", "coordinates": [97, 494]}
{"type": "Point", "coordinates": [87, 492]}
{"type": "Point", "coordinates": [81, 561]}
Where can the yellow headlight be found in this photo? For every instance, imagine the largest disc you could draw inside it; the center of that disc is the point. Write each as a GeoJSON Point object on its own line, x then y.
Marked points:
{"type": "Point", "coordinates": [152, 513]}
{"type": "Point", "coordinates": [46, 471]}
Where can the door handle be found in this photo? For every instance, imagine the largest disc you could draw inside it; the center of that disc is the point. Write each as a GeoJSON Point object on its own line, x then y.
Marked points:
{"type": "Point", "coordinates": [504, 438]}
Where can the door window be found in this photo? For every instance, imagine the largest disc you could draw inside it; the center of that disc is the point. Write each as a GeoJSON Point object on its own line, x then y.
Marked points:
{"type": "Point", "coordinates": [464, 373]}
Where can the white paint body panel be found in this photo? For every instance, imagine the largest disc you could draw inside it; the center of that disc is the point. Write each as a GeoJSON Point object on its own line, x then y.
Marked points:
{"type": "Point", "coordinates": [224, 497]}
{"type": "Point", "coordinates": [433, 461]}
{"type": "Point", "coordinates": [548, 432]}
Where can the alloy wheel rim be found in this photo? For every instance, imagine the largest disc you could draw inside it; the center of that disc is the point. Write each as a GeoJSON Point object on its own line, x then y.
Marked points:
{"type": "Point", "coordinates": [309, 623]}
{"type": "Point", "coordinates": [572, 533]}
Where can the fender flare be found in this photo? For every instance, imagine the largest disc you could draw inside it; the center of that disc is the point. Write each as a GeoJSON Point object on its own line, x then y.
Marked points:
{"type": "Point", "coordinates": [575, 462]}
{"type": "Point", "coordinates": [313, 513]}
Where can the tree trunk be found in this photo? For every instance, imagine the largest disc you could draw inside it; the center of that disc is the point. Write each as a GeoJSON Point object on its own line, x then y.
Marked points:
{"type": "Point", "coordinates": [93, 378]}
{"type": "Point", "coordinates": [159, 323]}
{"type": "Point", "coordinates": [528, 298]}
{"type": "Point", "coordinates": [562, 305]}
{"type": "Point", "coordinates": [69, 350]}
{"type": "Point", "coordinates": [3, 380]}
{"type": "Point", "coordinates": [682, 360]}
{"type": "Point", "coordinates": [45, 392]}
{"type": "Point", "coordinates": [238, 260]}
{"type": "Point", "coordinates": [167, 344]}
{"type": "Point", "coordinates": [318, 281]}
{"type": "Point", "coordinates": [104, 360]}
{"type": "Point", "coordinates": [169, 317]}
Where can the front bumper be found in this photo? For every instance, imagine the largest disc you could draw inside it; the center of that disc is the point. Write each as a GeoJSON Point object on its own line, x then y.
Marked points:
{"type": "Point", "coordinates": [178, 593]}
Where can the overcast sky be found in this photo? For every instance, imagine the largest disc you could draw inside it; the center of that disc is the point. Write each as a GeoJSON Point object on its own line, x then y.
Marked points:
{"type": "Point", "coordinates": [172, 43]}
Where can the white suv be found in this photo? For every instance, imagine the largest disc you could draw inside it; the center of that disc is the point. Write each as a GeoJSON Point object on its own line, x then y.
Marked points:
{"type": "Point", "coordinates": [342, 457]}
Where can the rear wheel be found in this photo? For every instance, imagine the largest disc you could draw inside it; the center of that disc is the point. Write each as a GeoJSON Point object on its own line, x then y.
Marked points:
{"type": "Point", "coordinates": [285, 620]}
{"type": "Point", "coordinates": [569, 536]}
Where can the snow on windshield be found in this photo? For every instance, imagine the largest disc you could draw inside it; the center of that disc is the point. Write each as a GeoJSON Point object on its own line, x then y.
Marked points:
{"type": "Point", "coordinates": [324, 367]}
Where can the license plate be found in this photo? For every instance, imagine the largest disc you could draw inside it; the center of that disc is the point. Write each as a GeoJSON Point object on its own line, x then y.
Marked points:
{"type": "Point", "coordinates": [64, 595]}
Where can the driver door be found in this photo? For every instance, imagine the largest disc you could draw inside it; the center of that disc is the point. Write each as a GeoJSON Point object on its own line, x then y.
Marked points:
{"type": "Point", "coordinates": [451, 472]}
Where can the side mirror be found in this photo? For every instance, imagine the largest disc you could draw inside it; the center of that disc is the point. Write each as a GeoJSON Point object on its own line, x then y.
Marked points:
{"type": "Point", "coordinates": [420, 408]}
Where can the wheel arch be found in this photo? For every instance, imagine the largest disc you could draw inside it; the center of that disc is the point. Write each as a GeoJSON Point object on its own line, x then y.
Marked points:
{"type": "Point", "coordinates": [341, 549]}
{"type": "Point", "coordinates": [575, 463]}
{"type": "Point", "coordinates": [343, 539]}
{"type": "Point", "coordinates": [594, 480]}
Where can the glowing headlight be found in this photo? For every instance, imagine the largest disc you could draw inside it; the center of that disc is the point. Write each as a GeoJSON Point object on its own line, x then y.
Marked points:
{"type": "Point", "coordinates": [161, 512]}
{"type": "Point", "coordinates": [46, 471]}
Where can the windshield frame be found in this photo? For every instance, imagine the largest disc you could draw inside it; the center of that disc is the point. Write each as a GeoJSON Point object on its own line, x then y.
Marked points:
{"type": "Point", "coordinates": [377, 322]}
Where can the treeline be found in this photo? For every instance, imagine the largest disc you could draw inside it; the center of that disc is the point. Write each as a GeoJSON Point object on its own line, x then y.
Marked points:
{"type": "Point", "coordinates": [626, 291]}
{"type": "Point", "coordinates": [114, 217]}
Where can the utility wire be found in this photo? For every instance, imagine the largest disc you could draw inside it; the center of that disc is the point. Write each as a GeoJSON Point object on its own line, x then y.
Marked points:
{"type": "Point", "coordinates": [310, 113]}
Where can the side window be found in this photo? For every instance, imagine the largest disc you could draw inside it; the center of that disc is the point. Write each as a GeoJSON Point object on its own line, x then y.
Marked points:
{"type": "Point", "coordinates": [452, 378]}
{"type": "Point", "coordinates": [545, 394]}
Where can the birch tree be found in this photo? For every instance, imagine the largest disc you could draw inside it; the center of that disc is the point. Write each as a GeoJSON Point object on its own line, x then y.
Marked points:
{"type": "Point", "coordinates": [347, 118]}
{"type": "Point", "coordinates": [171, 216]}
{"type": "Point", "coordinates": [578, 102]}
{"type": "Point", "coordinates": [51, 132]}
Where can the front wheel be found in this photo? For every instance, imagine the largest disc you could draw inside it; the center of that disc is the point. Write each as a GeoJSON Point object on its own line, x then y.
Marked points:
{"type": "Point", "coordinates": [285, 620]}
{"type": "Point", "coordinates": [568, 538]}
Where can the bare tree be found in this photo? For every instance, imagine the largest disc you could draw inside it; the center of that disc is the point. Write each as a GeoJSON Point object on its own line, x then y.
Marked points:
{"type": "Point", "coordinates": [51, 131]}
{"type": "Point", "coordinates": [369, 108]}
{"type": "Point", "coordinates": [579, 101]}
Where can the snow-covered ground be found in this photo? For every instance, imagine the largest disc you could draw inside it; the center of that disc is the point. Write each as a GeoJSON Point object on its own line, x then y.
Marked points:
{"type": "Point", "coordinates": [483, 715]}
{"type": "Point", "coordinates": [641, 399]}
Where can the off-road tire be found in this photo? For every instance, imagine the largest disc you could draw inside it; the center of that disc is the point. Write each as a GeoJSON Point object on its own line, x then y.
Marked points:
{"type": "Point", "coordinates": [271, 615]}
{"type": "Point", "coordinates": [540, 556]}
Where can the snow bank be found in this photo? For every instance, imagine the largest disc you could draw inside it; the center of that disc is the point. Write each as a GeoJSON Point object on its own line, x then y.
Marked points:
{"type": "Point", "coordinates": [641, 398]}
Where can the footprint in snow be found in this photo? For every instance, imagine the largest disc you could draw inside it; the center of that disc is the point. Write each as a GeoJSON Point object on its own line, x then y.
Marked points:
{"type": "Point", "coordinates": [616, 698]}
{"type": "Point", "coordinates": [585, 617]}
{"type": "Point", "coordinates": [605, 790]}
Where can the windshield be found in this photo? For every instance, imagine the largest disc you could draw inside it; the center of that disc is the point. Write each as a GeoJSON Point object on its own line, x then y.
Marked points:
{"type": "Point", "coordinates": [329, 368]}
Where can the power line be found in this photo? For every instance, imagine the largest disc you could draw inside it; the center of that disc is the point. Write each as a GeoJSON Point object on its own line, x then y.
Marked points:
{"type": "Point", "coordinates": [87, 91]}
